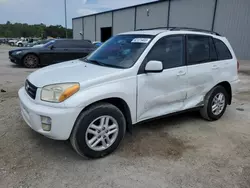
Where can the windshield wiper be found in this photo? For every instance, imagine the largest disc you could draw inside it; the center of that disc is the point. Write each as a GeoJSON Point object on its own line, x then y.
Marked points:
{"type": "Point", "coordinates": [100, 63]}
{"type": "Point", "coordinates": [95, 62]}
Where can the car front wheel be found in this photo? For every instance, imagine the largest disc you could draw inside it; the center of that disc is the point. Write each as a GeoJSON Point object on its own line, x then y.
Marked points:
{"type": "Point", "coordinates": [98, 131]}
{"type": "Point", "coordinates": [30, 61]}
{"type": "Point", "coordinates": [215, 104]}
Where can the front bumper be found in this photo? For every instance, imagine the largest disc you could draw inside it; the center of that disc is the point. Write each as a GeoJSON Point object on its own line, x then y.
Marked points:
{"type": "Point", "coordinates": [63, 119]}
{"type": "Point", "coordinates": [15, 59]}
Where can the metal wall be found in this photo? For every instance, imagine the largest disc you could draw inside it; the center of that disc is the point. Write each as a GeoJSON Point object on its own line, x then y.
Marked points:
{"type": "Point", "coordinates": [232, 19]}
{"type": "Point", "coordinates": [77, 28]}
{"type": "Point", "coordinates": [123, 20]}
{"type": "Point", "coordinates": [152, 15]}
{"type": "Point", "coordinates": [192, 13]}
{"type": "Point", "coordinates": [89, 28]}
{"type": "Point", "coordinates": [102, 20]}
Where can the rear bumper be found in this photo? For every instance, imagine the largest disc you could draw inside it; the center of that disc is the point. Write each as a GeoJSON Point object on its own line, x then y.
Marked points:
{"type": "Point", "coordinates": [235, 86]}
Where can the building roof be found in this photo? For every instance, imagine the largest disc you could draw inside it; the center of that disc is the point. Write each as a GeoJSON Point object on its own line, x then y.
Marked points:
{"type": "Point", "coordinates": [149, 3]}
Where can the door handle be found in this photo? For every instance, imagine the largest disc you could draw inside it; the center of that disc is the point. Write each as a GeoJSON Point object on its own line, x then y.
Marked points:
{"type": "Point", "coordinates": [215, 67]}
{"type": "Point", "coordinates": [181, 73]}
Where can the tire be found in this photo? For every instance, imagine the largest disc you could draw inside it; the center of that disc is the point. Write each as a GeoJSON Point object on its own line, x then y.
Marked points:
{"type": "Point", "coordinates": [12, 44]}
{"type": "Point", "coordinates": [207, 112]}
{"type": "Point", "coordinates": [84, 143]}
{"type": "Point", "coordinates": [30, 61]}
{"type": "Point", "coordinates": [20, 45]}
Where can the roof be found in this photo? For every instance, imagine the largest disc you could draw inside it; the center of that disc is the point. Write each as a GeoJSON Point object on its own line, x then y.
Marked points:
{"type": "Point", "coordinates": [149, 3]}
{"type": "Point", "coordinates": [145, 32]}
{"type": "Point", "coordinates": [174, 30]}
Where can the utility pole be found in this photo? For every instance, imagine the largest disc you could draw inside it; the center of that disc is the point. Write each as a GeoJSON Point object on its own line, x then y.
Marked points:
{"type": "Point", "coordinates": [65, 11]}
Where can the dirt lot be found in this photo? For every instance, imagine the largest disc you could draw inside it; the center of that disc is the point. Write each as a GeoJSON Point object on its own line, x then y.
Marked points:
{"type": "Point", "coordinates": [181, 151]}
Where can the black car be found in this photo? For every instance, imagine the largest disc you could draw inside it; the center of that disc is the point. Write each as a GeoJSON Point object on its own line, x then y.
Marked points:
{"type": "Point", "coordinates": [54, 51]}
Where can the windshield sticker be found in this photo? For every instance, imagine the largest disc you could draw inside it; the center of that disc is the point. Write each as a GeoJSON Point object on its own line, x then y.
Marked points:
{"type": "Point", "coordinates": [140, 40]}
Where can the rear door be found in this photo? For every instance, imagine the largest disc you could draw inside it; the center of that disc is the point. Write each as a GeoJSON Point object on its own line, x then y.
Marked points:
{"type": "Point", "coordinates": [203, 69]}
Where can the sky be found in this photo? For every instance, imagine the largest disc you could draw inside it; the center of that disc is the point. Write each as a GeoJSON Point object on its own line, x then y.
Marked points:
{"type": "Point", "coordinates": [51, 12]}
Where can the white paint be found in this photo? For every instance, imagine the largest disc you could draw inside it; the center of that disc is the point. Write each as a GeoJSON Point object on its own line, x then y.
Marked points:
{"type": "Point", "coordinates": [147, 95]}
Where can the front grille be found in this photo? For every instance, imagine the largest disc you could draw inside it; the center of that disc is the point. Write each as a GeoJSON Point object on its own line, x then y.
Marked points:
{"type": "Point", "coordinates": [30, 89]}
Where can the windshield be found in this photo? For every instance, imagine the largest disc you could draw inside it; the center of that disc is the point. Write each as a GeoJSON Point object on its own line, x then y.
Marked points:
{"type": "Point", "coordinates": [121, 51]}
{"type": "Point", "coordinates": [48, 44]}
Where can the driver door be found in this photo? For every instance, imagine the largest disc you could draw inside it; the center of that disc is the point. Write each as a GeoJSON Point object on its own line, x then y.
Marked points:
{"type": "Point", "coordinates": [161, 93]}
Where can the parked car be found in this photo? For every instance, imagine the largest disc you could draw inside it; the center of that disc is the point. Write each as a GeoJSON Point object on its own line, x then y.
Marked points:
{"type": "Point", "coordinates": [52, 52]}
{"type": "Point", "coordinates": [38, 43]}
{"type": "Point", "coordinates": [25, 41]}
{"type": "Point", "coordinates": [12, 42]}
{"type": "Point", "coordinates": [93, 101]}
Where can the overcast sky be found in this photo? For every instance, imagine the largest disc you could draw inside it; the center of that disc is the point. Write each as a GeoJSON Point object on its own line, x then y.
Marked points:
{"type": "Point", "coordinates": [51, 12]}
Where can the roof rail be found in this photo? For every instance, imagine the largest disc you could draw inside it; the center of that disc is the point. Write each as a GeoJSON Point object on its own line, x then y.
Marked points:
{"type": "Point", "coordinates": [182, 28]}
{"type": "Point", "coordinates": [193, 29]}
{"type": "Point", "coordinates": [166, 28]}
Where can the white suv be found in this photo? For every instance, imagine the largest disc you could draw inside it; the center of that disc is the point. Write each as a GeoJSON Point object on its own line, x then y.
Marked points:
{"type": "Point", "coordinates": [133, 77]}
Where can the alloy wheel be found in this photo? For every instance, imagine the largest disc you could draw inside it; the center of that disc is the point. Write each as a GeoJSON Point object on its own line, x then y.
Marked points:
{"type": "Point", "coordinates": [101, 133]}
{"type": "Point", "coordinates": [218, 103]}
{"type": "Point", "coordinates": [30, 61]}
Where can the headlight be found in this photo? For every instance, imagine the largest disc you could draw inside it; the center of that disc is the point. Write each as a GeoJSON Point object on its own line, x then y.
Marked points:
{"type": "Point", "coordinates": [59, 92]}
{"type": "Point", "coordinates": [17, 52]}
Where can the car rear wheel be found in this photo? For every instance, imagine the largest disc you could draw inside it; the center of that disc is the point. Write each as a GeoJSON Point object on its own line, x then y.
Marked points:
{"type": "Point", "coordinates": [215, 104]}
{"type": "Point", "coordinates": [98, 131]}
{"type": "Point", "coordinates": [30, 61]}
{"type": "Point", "coordinates": [20, 45]}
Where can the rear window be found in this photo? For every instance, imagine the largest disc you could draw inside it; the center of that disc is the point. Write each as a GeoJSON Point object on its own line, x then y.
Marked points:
{"type": "Point", "coordinates": [198, 49]}
{"type": "Point", "coordinates": [223, 52]}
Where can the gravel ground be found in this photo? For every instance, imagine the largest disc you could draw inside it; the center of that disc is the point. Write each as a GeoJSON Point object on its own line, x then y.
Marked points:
{"type": "Point", "coordinates": [175, 152]}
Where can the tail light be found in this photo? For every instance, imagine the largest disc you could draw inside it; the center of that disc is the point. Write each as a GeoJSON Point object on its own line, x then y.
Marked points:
{"type": "Point", "coordinates": [238, 66]}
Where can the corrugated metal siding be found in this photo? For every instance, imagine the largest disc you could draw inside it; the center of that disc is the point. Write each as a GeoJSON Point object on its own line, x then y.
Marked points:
{"type": "Point", "coordinates": [157, 15]}
{"type": "Point", "coordinates": [77, 28]}
{"type": "Point", "coordinates": [102, 20]}
{"type": "Point", "coordinates": [233, 21]}
{"type": "Point", "coordinates": [123, 20]}
{"type": "Point", "coordinates": [192, 13]}
{"type": "Point", "coordinates": [89, 28]}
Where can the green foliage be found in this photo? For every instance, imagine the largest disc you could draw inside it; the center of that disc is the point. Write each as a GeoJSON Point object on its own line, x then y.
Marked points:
{"type": "Point", "coordinates": [18, 30]}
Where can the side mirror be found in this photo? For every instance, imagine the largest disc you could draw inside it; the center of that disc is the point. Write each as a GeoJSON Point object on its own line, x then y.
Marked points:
{"type": "Point", "coordinates": [154, 66]}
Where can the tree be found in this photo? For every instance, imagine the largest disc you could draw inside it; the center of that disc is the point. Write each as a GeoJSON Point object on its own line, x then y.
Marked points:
{"type": "Point", "coordinates": [18, 30]}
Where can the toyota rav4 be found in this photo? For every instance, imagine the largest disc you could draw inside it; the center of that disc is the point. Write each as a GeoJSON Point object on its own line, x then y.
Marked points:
{"type": "Point", "coordinates": [132, 77]}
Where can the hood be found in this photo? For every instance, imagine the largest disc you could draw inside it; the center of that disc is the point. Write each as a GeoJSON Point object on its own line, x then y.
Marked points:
{"type": "Point", "coordinates": [70, 71]}
{"type": "Point", "coordinates": [20, 49]}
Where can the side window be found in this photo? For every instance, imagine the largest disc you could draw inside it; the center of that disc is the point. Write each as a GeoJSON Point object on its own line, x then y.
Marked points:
{"type": "Point", "coordinates": [198, 49]}
{"type": "Point", "coordinates": [62, 44]}
{"type": "Point", "coordinates": [168, 50]}
{"type": "Point", "coordinates": [222, 50]}
{"type": "Point", "coordinates": [84, 44]}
